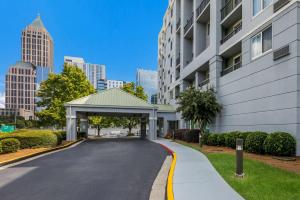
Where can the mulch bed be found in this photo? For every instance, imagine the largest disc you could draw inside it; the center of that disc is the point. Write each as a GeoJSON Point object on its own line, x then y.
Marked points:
{"type": "Point", "coordinates": [292, 166]}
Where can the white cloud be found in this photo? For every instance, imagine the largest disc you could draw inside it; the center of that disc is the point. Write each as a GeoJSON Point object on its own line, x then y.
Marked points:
{"type": "Point", "coordinates": [2, 100]}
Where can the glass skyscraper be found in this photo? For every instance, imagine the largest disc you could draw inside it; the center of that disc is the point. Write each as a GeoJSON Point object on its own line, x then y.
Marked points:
{"type": "Point", "coordinates": [148, 80]}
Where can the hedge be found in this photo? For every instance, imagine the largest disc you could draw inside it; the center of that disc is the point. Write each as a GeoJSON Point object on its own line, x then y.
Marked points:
{"type": "Point", "coordinates": [280, 144]}
{"type": "Point", "coordinates": [230, 139]}
{"type": "Point", "coordinates": [10, 145]}
{"type": "Point", "coordinates": [33, 138]}
{"type": "Point", "coordinates": [61, 135]}
{"type": "Point", "coordinates": [221, 139]}
{"type": "Point", "coordinates": [212, 140]}
{"type": "Point", "coordinates": [255, 142]}
{"type": "Point", "coordinates": [187, 135]}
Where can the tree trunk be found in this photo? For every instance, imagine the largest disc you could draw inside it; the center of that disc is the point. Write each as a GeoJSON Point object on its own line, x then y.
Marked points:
{"type": "Point", "coordinates": [129, 132]}
{"type": "Point", "coordinates": [99, 129]}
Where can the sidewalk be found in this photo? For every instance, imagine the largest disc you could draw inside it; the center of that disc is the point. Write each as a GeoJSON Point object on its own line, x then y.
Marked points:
{"type": "Point", "coordinates": [196, 178]}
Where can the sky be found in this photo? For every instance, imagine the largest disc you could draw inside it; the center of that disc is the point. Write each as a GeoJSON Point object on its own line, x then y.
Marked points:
{"type": "Point", "coordinates": [120, 34]}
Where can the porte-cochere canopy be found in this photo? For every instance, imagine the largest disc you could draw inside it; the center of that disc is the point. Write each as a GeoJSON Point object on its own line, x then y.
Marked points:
{"type": "Point", "coordinates": [116, 102]}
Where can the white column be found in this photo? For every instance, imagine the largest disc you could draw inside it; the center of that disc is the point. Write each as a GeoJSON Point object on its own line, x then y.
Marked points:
{"type": "Point", "coordinates": [71, 124]}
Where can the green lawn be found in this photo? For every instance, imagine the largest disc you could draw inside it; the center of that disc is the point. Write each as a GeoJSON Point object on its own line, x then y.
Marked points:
{"type": "Point", "coordinates": [261, 182]}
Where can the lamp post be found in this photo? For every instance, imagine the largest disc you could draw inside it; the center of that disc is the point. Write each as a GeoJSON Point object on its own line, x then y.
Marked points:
{"type": "Point", "coordinates": [239, 158]}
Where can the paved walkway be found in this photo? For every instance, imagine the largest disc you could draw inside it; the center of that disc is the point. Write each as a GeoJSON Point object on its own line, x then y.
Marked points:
{"type": "Point", "coordinates": [196, 178]}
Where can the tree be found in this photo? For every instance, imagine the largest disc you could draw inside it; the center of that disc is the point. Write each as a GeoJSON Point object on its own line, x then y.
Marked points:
{"type": "Point", "coordinates": [199, 106]}
{"type": "Point", "coordinates": [100, 123]}
{"type": "Point", "coordinates": [59, 89]}
{"type": "Point", "coordinates": [138, 91]}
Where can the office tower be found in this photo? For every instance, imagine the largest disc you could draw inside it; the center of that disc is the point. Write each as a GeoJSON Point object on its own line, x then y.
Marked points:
{"type": "Point", "coordinates": [148, 80]}
{"type": "Point", "coordinates": [20, 87]}
{"type": "Point", "coordinates": [93, 72]}
{"type": "Point", "coordinates": [38, 48]}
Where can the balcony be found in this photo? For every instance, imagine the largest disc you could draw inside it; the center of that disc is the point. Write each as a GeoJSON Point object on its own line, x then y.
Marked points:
{"type": "Point", "coordinates": [205, 82]}
{"type": "Point", "coordinates": [201, 8]}
{"type": "Point", "coordinates": [178, 60]}
{"type": "Point", "coordinates": [231, 68]}
{"type": "Point", "coordinates": [189, 24]}
{"type": "Point", "coordinates": [229, 7]}
{"type": "Point", "coordinates": [232, 33]}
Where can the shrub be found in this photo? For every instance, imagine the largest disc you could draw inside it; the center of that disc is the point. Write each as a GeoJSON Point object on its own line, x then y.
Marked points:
{"type": "Point", "coordinates": [82, 135]}
{"type": "Point", "coordinates": [0, 147]}
{"type": "Point", "coordinates": [244, 135]}
{"type": "Point", "coordinates": [61, 136]}
{"type": "Point", "coordinates": [230, 139]}
{"type": "Point", "coordinates": [221, 139]}
{"type": "Point", "coordinates": [33, 138]}
{"type": "Point", "coordinates": [10, 145]}
{"type": "Point", "coordinates": [280, 144]}
{"type": "Point", "coordinates": [212, 140]}
{"type": "Point", "coordinates": [204, 138]}
{"type": "Point", "coordinates": [169, 135]}
{"type": "Point", "coordinates": [255, 142]}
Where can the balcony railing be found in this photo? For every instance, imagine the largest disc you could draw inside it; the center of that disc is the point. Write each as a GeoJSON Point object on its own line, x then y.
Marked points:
{"type": "Point", "coordinates": [178, 60]}
{"type": "Point", "coordinates": [205, 82]}
{"type": "Point", "coordinates": [178, 24]}
{"type": "Point", "coordinates": [230, 5]}
{"type": "Point", "coordinates": [189, 24]}
{"type": "Point", "coordinates": [201, 7]}
{"type": "Point", "coordinates": [232, 33]}
{"type": "Point", "coordinates": [229, 69]}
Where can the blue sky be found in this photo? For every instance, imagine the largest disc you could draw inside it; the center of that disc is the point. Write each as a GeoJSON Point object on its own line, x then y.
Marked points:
{"type": "Point", "coordinates": [120, 34]}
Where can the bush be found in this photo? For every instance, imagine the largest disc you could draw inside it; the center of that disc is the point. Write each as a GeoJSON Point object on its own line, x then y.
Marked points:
{"type": "Point", "coordinates": [230, 139]}
{"type": "Point", "coordinates": [204, 138]}
{"type": "Point", "coordinates": [81, 135]}
{"type": "Point", "coordinates": [212, 140]}
{"type": "Point", "coordinates": [255, 142]}
{"type": "Point", "coordinates": [33, 138]}
{"type": "Point", "coordinates": [280, 144]}
{"type": "Point", "coordinates": [221, 139]}
{"type": "Point", "coordinates": [10, 145]}
{"type": "Point", "coordinates": [61, 136]}
{"type": "Point", "coordinates": [244, 135]}
{"type": "Point", "coordinates": [169, 135]}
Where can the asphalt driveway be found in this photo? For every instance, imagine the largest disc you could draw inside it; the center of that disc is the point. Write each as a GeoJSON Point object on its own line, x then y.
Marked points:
{"type": "Point", "coordinates": [111, 169]}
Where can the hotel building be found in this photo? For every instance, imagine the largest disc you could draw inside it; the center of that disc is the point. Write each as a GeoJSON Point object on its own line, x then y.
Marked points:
{"type": "Point", "coordinates": [247, 50]}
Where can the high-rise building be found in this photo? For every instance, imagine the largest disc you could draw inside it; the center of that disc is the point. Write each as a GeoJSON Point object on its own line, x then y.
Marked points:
{"type": "Point", "coordinates": [93, 72]}
{"type": "Point", "coordinates": [101, 85]}
{"type": "Point", "coordinates": [246, 50]}
{"type": "Point", "coordinates": [38, 48]}
{"type": "Point", "coordinates": [20, 87]}
{"type": "Point", "coordinates": [148, 80]}
{"type": "Point", "coordinates": [114, 84]}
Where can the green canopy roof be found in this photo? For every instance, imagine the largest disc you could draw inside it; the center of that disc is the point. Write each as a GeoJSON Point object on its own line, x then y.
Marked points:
{"type": "Point", "coordinates": [165, 108]}
{"type": "Point", "coordinates": [114, 97]}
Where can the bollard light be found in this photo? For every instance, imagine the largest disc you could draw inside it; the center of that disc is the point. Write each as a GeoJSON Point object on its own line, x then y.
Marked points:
{"type": "Point", "coordinates": [173, 135]}
{"type": "Point", "coordinates": [239, 158]}
{"type": "Point", "coordinates": [200, 139]}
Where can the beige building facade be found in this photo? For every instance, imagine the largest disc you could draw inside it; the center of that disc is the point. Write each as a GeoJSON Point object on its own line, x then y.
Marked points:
{"type": "Point", "coordinates": [37, 45]}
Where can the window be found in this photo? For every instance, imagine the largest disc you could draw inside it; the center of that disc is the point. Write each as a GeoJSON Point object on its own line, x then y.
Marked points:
{"type": "Point", "coordinates": [261, 43]}
{"type": "Point", "coordinates": [259, 5]}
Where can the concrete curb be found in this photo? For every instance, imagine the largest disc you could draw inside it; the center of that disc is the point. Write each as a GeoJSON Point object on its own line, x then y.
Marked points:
{"type": "Point", "coordinates": [158, 191]}
{"type": "Point", "coordinates": [170, 193]}
{"type": "Point", "coordinates": [13, 161]}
